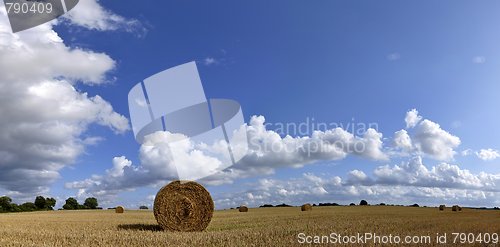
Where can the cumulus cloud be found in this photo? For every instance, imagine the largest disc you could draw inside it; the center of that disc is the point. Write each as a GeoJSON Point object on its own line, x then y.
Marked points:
{"type": "Point", "coordinates": [267, 152]}
{"type": "Point", "coordinates": [430, 139]}
{"type": "Point", "coordinates": [488, 154]}
{"type": "Point", "coordinates": [402, 140]}
{"type": "Point", "coordinates": [44, 117]}
{"type": "Point", "coordinates": [383, 187]}
{"type": "Point", "coordinates": [444, 175]}
{"type": "Point", "coordinates": [412, 118]}
{"type": "Point", "coordinates": [92, 15]}
{"type": "Point", "coordinates": [425, 137]}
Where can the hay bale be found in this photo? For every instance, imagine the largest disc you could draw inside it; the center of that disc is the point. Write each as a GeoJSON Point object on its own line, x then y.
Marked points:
{"type": "Point", "coordinates": [454, 208]}
{"type": "Point", "coordinates": [306, 207]}
{"type": "Point", "coordinates": [442, 207]}
{"type": "Point", "coordinates": [459, 208]}
{"type": "Point", "coordinates": [119, 210]}
{"type": "Point", "coordinates": [183, 207]}
{"type": "Point", "coordinates": [243, 209]}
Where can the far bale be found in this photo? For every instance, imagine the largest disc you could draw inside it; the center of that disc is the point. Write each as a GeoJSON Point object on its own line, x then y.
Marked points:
{"type": "Point", "coordinates": [459, 208]}
{"type": "Point", "coordinates": [454, 208]}
{"type": "Point", "coordinates": [119, 210]}
{"type": "Point", "coordinates": [243, 209]}
{"type": "Point", "coordinates": [442, 207]}
{"type": "Point", "coordinates": [306, 207]}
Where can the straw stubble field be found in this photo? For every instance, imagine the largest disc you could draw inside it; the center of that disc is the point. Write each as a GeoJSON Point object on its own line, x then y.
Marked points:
{"type": "Point", "coordinates": [258, 227]}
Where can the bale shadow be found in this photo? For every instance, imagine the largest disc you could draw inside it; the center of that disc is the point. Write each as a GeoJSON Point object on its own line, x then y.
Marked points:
{"type": "Point", "coordinates": [140, 227]}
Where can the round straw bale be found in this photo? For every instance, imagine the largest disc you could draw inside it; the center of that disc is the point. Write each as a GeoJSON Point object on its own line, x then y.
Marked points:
{"type": "Point", "coordinates": [442, 207]}
{"type": "Point", "coordinates": [183, 206]}
{"type": "Point", "coordinates": [119, 210]}
{"type": "Point", "coordinates": [306, 207]}
{"type": "Point", "coordinates": [243, 209]}
{"type": "Point", "coordinates": [454, 208]}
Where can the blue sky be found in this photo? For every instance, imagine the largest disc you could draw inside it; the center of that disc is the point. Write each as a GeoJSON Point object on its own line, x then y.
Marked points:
{"type": "Point", "coordinates": [333, 61]}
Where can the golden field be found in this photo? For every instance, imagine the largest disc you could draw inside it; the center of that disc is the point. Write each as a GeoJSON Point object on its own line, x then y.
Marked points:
{"type": "Point", "coordinates": [258, 227]}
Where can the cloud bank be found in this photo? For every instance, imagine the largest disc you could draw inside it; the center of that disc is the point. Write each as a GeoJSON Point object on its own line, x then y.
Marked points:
{"type": "Point", "coordinates": [45, 118]}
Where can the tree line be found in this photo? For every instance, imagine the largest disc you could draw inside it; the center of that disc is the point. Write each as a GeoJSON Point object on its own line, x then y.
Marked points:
{"type": "Point", "coordinates": [45, 204]}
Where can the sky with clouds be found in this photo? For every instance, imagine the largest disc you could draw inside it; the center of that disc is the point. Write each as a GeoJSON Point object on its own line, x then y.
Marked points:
{"type": "Point", "coordinates": [343, 100]}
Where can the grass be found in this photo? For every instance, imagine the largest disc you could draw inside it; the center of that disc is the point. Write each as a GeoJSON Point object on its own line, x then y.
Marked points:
{"type": "Point", "coordinates": [258, 227]}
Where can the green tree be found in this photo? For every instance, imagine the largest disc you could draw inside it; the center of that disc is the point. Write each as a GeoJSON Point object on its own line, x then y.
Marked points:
{"type": "Point", "coordinates": [27, 207]}
{"type": "Point", "coordinates": [143, 207]}
{"type": "Point", "coordinates": [40, 203]}
{"type": "Point", "coordinates": [50, 203]}
{"type": "Point", "coordinates": [91, 203]}
{"type": "Point", "coordinates": [5, 204]}
{"type": "Point", "coordinates": [71, 204]}
{"type": "Point", "coordinates": [363, 203]}
{"type": "Point", "coordinates": [15, 208]}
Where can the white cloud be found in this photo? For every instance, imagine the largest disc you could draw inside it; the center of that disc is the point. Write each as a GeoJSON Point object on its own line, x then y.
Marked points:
{"type": "Point", "coordinates": [402, 140]}
{"type": "Point", "coordinates": [210, 61]}
{"type": "Point", "coordinates": [488, 154]}
{"type": "Point", "coordinates": [92, 15]}
{"type": "Point", "coordinates": [425, 137]}
{"type": "Point", "coordinates": [407, 185]}
{"type": "Point", "coordinates": [412, 118]}
{"type": "Point", "coordinates": [466, 152]}
{"type": "Point", "coordinates": [415, 173]}
{"type": "Point", "coordinates": [44, 117]}
{"type": "Point", "coordinates": [268, 151]}
{"type": "Point", "coordinates": [430, 139]}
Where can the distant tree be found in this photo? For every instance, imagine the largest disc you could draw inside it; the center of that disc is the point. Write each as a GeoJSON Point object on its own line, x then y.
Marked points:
{"type": "Point", "coordinates": [363, 203]}
{"type": "Point", "coordinates": [71, 204]}
{"type": "Point", "coordinates": [5, 204]}
{"type": "Point", "coordinates": [266, 206]}
{"type": "Point", "coordinates": [50, 203]}
{"type": "Point", "coordinates": [282, 205]}
{"type": "Point", "coordinates": [382, 204]}
{"type": "Point", "coordinates": [15, 208]}
{"type": "Point", "coordinates": [143, 207]}
{"type": "Point", "coordinates": [28, 207]}
{"type": "Point", "coordinates": [415, 205]}
{"type": "Point", "coordinates": [352, 204]}
{"type": "Point", "coordinates": [40, 203]}
{"type": "Point", "coordinates": [91, 203]}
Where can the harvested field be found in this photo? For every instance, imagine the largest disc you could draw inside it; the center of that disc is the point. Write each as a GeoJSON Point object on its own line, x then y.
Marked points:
{"type": "Point", "coordinates": [258, 227]}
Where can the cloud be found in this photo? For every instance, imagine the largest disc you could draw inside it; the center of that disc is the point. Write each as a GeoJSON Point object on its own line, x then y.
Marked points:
{"type": "Point", "coordinates": [466, 152]}
{"type": "Point", "coordinates": [44, 117]}
{"type": "Point", "coordinates": [426, 137]}
{"type": "Point", "coordinates": [444, 175]}
{"type": "Point", "coordinates": [479, 60]}
{"type": "Point", "coordinates": [210, 61]}
{"type": "Point", "coordinates": [412, 118]}
{"type": "Point", "coordinates": [405, 186]}
{"type": "Point", "coordinates": [402, 140]}
{"type": "Point", "coordinates": [92, 15]}
{"type": "Point", "coordinates": [430, 139]}
{"type": "Point", "coordinates": [267, 152]}
{"type": "Point", "coordinates": [488, 154]}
